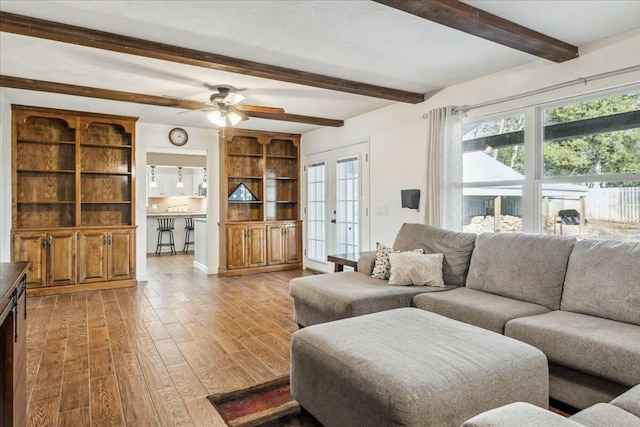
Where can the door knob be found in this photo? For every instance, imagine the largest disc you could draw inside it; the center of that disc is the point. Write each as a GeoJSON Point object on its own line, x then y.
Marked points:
{"type": "Point", "coordinates": [333, 221]}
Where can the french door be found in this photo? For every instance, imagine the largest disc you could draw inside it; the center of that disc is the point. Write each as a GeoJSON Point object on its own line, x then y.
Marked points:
{"type": "Point", "coordinates": [337, 204]}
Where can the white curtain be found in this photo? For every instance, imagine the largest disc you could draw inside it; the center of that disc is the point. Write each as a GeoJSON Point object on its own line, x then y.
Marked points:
{"type": "Point", "coordinates": [443, 170]}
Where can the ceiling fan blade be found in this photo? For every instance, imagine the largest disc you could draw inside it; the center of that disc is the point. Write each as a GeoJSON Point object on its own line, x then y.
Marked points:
{"type": "Point", "coordinates": [199, 109]}
{"type": "Point", "coordinates": [260, 109]}
{"type": "Point", "coordinates": [240, 113]}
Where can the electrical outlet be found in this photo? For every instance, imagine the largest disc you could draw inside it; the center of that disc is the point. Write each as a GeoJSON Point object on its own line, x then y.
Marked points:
{"type": "Point", "coordinates": [154, 207]}
{"type": "Point", "coordinates": [382, 210]}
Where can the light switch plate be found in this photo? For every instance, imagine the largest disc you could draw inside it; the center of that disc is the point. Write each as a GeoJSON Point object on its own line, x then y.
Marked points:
{"type": "Point", "coordinates": [382, 210]}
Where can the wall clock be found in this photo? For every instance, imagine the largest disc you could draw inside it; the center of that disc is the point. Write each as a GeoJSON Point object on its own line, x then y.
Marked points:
{"type": "Point", "coordinates": [178, 136]}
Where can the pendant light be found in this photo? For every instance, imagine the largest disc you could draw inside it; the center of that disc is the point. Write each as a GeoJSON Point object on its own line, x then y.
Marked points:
{"type": "Point", "coordinates": [153, 183]}
{"type": "Point", "coordinates": [180, 184]}
{"type": "Point", "coordinates": [204, 178]}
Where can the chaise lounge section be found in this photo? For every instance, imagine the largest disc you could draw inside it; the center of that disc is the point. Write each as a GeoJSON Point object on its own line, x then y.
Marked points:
{"type": "Point", "coordinates": [329, 297]}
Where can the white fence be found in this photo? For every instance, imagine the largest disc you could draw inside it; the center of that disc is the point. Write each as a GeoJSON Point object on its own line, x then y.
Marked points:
{"type": "Point", "coordinates": [614, 204]}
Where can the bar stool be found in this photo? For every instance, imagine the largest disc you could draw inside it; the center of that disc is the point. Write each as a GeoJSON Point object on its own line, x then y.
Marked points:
{"type": "Point", "coordinates": [165, 225]}
{"type": "Point", "coordinates": [189, 227]}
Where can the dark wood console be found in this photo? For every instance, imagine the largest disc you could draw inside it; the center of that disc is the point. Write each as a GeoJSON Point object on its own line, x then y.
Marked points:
{"type": "Point", "coordinates": [13, 335]}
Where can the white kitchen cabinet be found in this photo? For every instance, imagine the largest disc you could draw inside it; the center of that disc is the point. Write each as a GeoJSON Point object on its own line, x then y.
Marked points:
{"type": "Point", "coordinates": [186, 189]}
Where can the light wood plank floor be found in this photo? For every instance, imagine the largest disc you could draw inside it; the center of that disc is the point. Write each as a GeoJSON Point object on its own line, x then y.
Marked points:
{"type": "Point", "coordinates": [150, 355]}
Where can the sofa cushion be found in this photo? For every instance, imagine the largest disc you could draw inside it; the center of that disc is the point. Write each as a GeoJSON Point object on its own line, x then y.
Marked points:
{"type": "Point", "coordinates": [527, 267]}
{"type": "Point", "coordinates": [455, 246]}
{"type": "Point", "coordinates": [603, 279]}
{"type": "Point", "coordinates": [629, 401]}
{"type": "Point", "coordinates": [605, 414]}
{"type": "Point", "coordinates": [589, 344]}
{"type": "Point", "coordinates": [478, 308]}
{"type": "Point", "coordinates": [410, 268]}
{"type": "Point", "coordinates": [349, 293]}
{"type": "Point", "coordinates": [519, 414]}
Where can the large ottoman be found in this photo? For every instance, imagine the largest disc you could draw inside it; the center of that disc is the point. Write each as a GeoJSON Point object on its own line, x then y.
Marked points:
{"type": "Point", "coordinates": [409, 367]}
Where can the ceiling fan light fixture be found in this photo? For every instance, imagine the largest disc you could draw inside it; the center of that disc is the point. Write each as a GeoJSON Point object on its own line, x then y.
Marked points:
{"type": "Point", "coordinates": [217, 118]}
{"type": "Point", "coordinates": [234, 118]}
{"type": "Point", "coordinates": [234, 98]}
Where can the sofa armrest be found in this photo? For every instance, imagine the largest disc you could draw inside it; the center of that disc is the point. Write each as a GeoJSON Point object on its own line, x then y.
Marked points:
{"type": "Point", "coordinates": [519, 414]}
{"type": "Point", "coordinates": [366, 263]}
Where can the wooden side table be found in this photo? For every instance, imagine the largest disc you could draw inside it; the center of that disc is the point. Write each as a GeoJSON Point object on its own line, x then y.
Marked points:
{"type": "Point", "coordinates": [350, 260]}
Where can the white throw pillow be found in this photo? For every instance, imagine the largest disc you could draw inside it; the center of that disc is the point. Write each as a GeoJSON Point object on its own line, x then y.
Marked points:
{"type": "Point", "coordinates": [411, 268]}
{"type": "Point", "coordinates": [382, 268]}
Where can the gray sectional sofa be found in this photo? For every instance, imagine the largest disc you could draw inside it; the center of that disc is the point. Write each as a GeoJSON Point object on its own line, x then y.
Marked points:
{"type": "Point", "coordinates": [623, 411]}
{"type": "Point", "coordinates": [577, 301]}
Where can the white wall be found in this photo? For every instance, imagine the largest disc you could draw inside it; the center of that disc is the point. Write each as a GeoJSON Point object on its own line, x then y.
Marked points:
{"type": "Point", "coordinates": [5, 178]}
{"type": "Point", "coordinates": [153, 138]}
{"type": "Point", "coordinates": [397, 133]}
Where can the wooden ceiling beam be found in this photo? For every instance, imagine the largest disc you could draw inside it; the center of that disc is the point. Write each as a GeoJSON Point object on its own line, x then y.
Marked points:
{"type": "Point", "coordinates": [33, 27]}
{"type": "Point", "coordinates": [138, 98]}
{"type": "Point", "coordinates": [474, 21]}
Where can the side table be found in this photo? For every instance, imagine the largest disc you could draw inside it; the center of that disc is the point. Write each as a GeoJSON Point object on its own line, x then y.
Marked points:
{"type": "Point", "coordinates": [350, 260]}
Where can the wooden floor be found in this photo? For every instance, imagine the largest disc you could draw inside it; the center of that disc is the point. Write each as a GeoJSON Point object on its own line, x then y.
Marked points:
{"type": "Point", "coordinates": [150, 355]}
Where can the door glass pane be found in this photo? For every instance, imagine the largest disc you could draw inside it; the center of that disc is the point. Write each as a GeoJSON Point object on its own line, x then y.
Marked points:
{"type": "Point", "coordinates": [316, 207]}
{"type": "Point", "coordinates": [347, 194]}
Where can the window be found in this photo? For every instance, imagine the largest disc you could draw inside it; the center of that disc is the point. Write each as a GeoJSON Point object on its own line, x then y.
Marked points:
{"type": "Point", "coordinates": [493, 173]}
{"type": "Point", "coordinates": [582, 178]}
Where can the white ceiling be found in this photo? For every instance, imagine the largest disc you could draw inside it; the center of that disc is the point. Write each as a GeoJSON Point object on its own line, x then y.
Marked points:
{"type": "Point", "coordinates": [357, 40]}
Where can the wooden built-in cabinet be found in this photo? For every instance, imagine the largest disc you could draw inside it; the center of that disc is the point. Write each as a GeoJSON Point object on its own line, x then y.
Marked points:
{"type": "Point", "coordinates": [261, 232]}
{"type": "Point", "coordinates": [73, 199]}
{"type": "Point", "coordinates": [13, 348]}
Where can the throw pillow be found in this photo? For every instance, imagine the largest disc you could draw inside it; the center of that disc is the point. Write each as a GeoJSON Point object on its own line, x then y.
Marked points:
{"type": "Point", "coordinates": [382, 268]}
{"type": "Point", "coordinates": [410, 268]}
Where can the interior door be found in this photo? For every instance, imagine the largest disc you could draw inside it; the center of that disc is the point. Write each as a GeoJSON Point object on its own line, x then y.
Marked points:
{"type": "Point", "coordinates": [337, 204]}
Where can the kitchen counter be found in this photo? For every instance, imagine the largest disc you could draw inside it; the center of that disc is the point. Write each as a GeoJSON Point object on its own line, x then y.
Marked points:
{"type": "Point", "coordinates": [177, 214]}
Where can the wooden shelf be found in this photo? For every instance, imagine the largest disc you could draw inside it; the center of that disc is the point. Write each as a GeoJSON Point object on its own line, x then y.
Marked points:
{"type": "Point", "coordinates": [245, 177]}
{"type": "Point", "coordinates": [244, 155]}
{"type": "Point", "coordinates": [282, 178]}
{"type": "Point", "coordinates": [42, 141]}
{"type": "Point", "coordinates": [272, 156]}
{"type": "Point", "coordinates": [45, 171]}
{"type": "Point", "coordinates": [104, 173]}
{"type": "Point", "coordinates": [57, 202]}
{"type": "Point", "coordinates": [108, 202]}
{"type": "Point", "coordinates": [84, 144]}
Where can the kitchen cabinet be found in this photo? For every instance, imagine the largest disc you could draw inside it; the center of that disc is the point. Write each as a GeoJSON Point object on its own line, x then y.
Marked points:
{"type": "Point", "coordinates": [187, 186]}
{"type": "Point", "coordinates": [167, 186]}
{"type": "Point", "coordinates": [105, 256]}
{"type": "Point", "coordinates": [52, 256]}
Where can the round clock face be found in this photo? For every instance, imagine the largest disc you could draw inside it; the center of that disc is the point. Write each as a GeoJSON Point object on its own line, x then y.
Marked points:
{"type": "Point", "coordinates": [178, 136]}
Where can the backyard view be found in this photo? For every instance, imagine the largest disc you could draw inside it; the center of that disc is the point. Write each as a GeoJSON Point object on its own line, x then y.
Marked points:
{"type": "Point", "coordinates": [590, 161]}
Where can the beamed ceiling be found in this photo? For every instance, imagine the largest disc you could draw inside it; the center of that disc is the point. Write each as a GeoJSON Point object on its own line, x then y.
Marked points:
{"type": "Point", "coordinates": [322, 61]}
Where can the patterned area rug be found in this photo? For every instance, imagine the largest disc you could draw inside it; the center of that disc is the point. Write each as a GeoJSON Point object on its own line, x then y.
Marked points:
{"type": "Point", "coordinates": [270, 405]}
{"type": "Point", "coordinates": [266, 405]}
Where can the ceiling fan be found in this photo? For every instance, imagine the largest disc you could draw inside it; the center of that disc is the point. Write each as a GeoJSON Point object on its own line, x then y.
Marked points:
{"type": "Point", "coordinates": [226, 111]}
